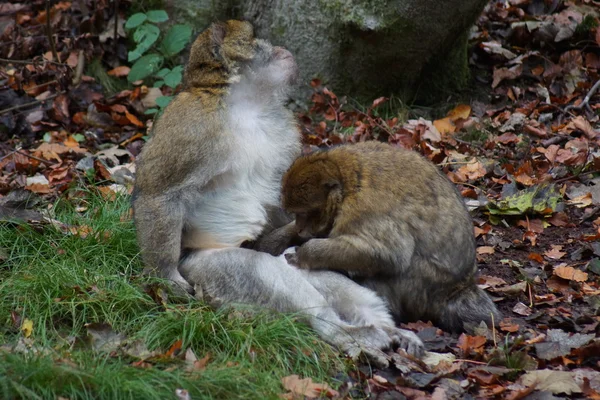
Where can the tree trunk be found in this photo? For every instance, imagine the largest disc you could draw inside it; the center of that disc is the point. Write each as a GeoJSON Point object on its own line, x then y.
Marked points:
{"type": "Point", "coordinates": [366, 48]}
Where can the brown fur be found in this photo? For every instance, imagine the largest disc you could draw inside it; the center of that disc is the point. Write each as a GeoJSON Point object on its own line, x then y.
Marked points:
{"type": "Point", "coordinates": [201, 149]}
{"type": "Point", "coordinates": [395, 224]}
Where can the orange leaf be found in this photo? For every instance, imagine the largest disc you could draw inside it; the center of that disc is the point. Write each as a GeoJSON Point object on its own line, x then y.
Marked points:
{"type": "Point", "coordinates": [469, 344]}
{"type": "Point", "coordinates": [444, 125]}
{"type": "Point", "coordinates": [571, 274]}
{"type": "Point", "coordinates": [174, 348]}
{"type": "Point", "coordinates": [120, 71]}
{"type": "Point", "coordinates": [134, 120]}
{"type": "Point", "coordinates": [461, 111]}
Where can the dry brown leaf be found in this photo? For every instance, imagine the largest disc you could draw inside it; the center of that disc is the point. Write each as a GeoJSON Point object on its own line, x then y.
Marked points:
{"type": "Point", "coordinates": [582, 201]}
{"type": "Point", "coordinates": [485, 250]}
{"type": "Point", "coordinates": [120, 71]}
{"type": "Point", "coordinates": [571, 274]}
{"type": "Point", "coordinates": [555, 252]}
{"type": "Point", "coordinates": [306, 387]}
{"type": "Point", "coordinates": [471, 344]}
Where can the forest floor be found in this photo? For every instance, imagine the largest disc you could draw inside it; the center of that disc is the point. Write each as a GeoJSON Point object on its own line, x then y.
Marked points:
{"type": "Point", "coordinates": [78, 321]}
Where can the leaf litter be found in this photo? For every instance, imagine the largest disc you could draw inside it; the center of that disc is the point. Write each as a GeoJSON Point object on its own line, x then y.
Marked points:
{"type": "Point", "coordinates": [525, 158]}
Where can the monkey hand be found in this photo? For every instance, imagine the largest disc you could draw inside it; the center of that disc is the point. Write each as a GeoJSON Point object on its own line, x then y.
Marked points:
{"type": "Point", "coordinates": [291, 255]}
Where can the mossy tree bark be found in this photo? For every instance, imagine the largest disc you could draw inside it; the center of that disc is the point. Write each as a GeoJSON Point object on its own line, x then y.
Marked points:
{"type": "Point", "coordinates": [363, 48]}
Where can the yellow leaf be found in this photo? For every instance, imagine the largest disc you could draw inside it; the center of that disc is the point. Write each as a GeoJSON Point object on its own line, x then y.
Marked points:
{"type": "Point", "coordinates": [444, 125]}
{"type": "Point", "coordinates": [460, 111]}
{"type": "Point", "coordinates": [27, 327]}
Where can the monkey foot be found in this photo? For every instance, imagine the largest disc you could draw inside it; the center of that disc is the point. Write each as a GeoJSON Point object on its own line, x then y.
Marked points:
{"type": "Point", "coordinates": [407, 340]}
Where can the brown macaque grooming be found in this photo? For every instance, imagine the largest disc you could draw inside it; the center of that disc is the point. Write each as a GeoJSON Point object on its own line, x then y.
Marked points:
{"type": "Point", "coordinates": [209, 180]}
{"type": "Point", "coordinates": [394, 223]}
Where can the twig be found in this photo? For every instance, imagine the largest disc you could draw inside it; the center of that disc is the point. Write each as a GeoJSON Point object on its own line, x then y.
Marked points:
{"type": "Point", "coordinates": [36, 158]}
{"type": "Point", "coordinates": [28, 155]}
{"type": "Point", "coordinates": [586, 100]}
{"type": "Point", "coordinates": [494, 330]}
{"type": "Point", "coordinates": [79, 68]}
{"type": "Point", "coordinates": [470, 361]}
{"type": "Point", "coordinates": [29, 104]}
{"type": "Point", "coordinates": [116, 31]}
{"type": "Point", "coordinates": [9, 61]}
{"type": "Point", "coordinates": [555, 140]}
{"type": "Point", "coordinates": [49, 32]}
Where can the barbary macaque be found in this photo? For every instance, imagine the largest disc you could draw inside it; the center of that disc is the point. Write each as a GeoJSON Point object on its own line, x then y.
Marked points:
{"type": "Point", "coordinates": [209, 180]}
{"type": "Point", "coordinates": [395, 224]}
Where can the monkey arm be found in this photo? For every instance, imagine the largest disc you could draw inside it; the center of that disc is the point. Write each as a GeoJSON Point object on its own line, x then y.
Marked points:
{"type": "Point", "coordinates": [276, 241]}
{"type": "Point", "coordinates": [350, 253]}
{"type": "Point", "coordinates": [159, 224]}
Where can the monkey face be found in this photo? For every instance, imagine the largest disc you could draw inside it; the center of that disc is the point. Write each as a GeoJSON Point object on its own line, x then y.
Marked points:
{"type": "Point", "coordinates": [313, 224]}
{"type": "Point", "coordinates": [313, 196]}
{"type": "Point", "coordinates": [273, 66]}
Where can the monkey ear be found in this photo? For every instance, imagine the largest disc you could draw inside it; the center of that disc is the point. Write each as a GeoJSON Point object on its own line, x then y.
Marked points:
{"type": "Point", "coordinates": [219, 30]}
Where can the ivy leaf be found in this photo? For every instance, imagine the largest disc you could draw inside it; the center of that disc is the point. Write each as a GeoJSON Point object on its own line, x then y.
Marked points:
{"type": "Point", "coordinates": [135, 20]}
{"type": "Point", "coordinates": [176, 39]}
{"type": "Point", "coordinates": [173, 78]}
{"type": "Point", "coordinates": [145, 36]}
{"type": "Point", "coordinates": [158, 84]}
{"type": "Point", "coordinates": [163, 72]}
{"type": "Point", "coordinates": [163, 101]}
{"type": "Point", "coordinates": [151, 111]}
{"type": "Point", "coordinates": [157, 16]}
{"type": "Point", "coordinates": [145, 66]}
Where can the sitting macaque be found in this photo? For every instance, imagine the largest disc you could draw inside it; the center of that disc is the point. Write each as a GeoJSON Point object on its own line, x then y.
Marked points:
{"type": "Point", "coordinates": [395, 224]}
{"type": "Point", "coordinates": [208, 181]}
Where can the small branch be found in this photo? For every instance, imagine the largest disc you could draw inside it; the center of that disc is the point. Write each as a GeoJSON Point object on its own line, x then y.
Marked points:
{"type": "Point", "coordinates": [33, 103]}
{"type": "Point", "coordinates": [49, 32]}
{"type": "Point", "coordinates": [116, 31]}
{"type": "Point", "coordinates": [35, 62]}
{"type": "Point", "coordinates": [29, 156]}
{"type": "Point", "coordinates": [36, 158]}
{"type": "Point", "coordinates": [586, 100]}
{"type": "Point", "coordinates": [79, 68]}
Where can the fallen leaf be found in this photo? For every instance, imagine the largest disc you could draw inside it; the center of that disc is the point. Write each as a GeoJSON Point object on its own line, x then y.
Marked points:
{"type": "Point", "coordinates": [556, 382]}
{"type": "Point", "coordinates": [306, 387]}
{"type": "Point", "coordinates": [471, 344]}
{"type": "Point", "coordinates": [522, 309]}
{"type": "Point", "coordinates": [119, 71]}
{"type": "Point", "coordinates": [103, 338]}
{"type": "Point", "coordinates": [559, 343]}
{"type": "Point", "coordinates": [571, 274]}
{"type": "Point", "coordinates": [555, 252]}
{"type": "Point", "coordinates": [461, 111]}
{"type": "Point", "coordinates": [444, 125]}
{"type": "Point", "coordinates": [485, 250]}
{"type": "Point", "coordinates": [27, 327]}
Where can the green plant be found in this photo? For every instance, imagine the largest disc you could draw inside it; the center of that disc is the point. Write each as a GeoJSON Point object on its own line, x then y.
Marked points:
{"type": "Point", "coordinates": [150, 54]}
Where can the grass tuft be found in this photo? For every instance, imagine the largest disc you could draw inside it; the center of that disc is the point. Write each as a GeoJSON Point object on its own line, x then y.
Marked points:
{"type": "Point", "coordinates": [63, 281]}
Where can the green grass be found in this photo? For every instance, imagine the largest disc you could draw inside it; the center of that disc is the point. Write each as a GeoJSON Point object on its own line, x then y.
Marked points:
{"type": "Point", "coordinates": [61, 282]}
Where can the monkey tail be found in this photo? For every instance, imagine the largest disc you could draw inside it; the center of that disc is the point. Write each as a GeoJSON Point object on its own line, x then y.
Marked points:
{"type": "Point", "coordinates": [467, 307]}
